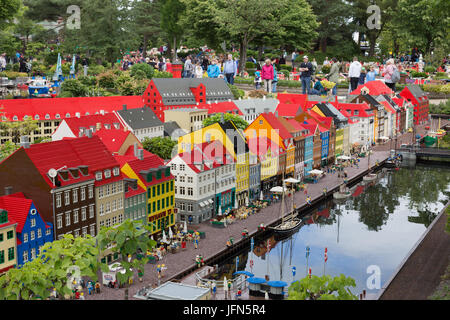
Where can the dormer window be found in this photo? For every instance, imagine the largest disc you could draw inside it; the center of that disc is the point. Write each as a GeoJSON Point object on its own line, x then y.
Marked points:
{"type": "Point", "coordinates": [67, 115]}
{"type": "Point", "coordinates": [116, 172]}
{"type": "Point", "coordinates": [107, 174]}
{"type": "Point", "coordinates": [36, 117]}
{"type": "Point", "coordinates": [33, 211]}
{"type": "Point", "coordinates": [98, 176]}
{"type": "Point", "coordinates": [15, 118]}
{"type": "Point", "coordinates": [57, 116]}
{"type": "Point", "coordinates": [47, 116]}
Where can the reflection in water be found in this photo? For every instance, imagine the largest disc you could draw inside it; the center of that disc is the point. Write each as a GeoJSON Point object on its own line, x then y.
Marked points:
{"type": "Point", "coordinates": [377, 226]}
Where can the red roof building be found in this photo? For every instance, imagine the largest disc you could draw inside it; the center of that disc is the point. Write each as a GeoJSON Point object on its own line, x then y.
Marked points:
{"type": "Point", "coordinates": [374, 88]}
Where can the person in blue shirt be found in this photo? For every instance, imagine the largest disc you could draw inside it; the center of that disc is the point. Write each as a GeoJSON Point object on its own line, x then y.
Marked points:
{"type": "Point", "coordinates": [275, 78]}
{"type": "Point", "coordinates": [230, 69]}
{"type": "Point", "coordinates": [258, 80]}
{"type": "Point", "coordinates": [362, 76]}
{"type": "Point", "coordinates": [371, 74]}
{"type": "Point", "coordinates": [318, 89]}
{"type": "Point", "coordinates": [213, 69]}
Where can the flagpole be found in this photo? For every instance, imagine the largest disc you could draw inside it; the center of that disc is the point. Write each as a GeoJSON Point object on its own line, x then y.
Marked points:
{"type": "Point", "coordinates": [307, 257]}
{"type": "Point", "coordinates": [325, 258]}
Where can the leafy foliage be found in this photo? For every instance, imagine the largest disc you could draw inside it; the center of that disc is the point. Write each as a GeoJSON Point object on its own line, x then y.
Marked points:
{"type": "Point", "coordinates": [49, 270]}
{"type": "Point", "coordinates": [73, 88]}
{"type": "Point", "coordinates": [128, 239]}
{"type": "Point", "coordinates": [237, 93]}
{"type": "Point", "coordinates": [162, 147]}
{"type": "Point", "coordinates": [238, 121]}
{"type": "Point", "coordinates": [323, 288]}
{"type": "Point", "coordinates": [7, 148]}
{"type": "Point", "coordinates": [146, 70]}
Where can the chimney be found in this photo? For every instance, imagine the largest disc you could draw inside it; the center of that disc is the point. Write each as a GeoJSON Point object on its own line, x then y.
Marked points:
{"type": "Point", "coordinates": [141, 154]}
{"type": "Point", "coordinates": [98, 126]}
{"type": "Point", "coordinates": [25, 141]}
{"type": "Point", "coordinates": [8, 190]}
{"type": "Point", "coordinates": [124, 107]}
{"type": "Point", "coordinates": [135, 149]}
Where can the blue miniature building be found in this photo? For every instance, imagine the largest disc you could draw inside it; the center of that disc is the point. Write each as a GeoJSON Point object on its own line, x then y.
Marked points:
{"type": "Point", "coordinates": [32, 232]}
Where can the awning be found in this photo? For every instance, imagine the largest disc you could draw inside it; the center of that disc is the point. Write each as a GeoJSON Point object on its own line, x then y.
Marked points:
{"type": "Point", "coordinates": [343, 158]}
{"type": "Point", "coordinates": [278, 189]}
{"type": "Point", "coordinates": [202, 204]}
{"type": "Point", "coordinates": [315, 172]}
{"type": "Point", "coordinates": [211, 201]}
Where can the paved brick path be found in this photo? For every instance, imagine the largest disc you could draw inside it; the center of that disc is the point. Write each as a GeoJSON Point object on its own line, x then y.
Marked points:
{"type": "Point", "coordinates": [216, 238]}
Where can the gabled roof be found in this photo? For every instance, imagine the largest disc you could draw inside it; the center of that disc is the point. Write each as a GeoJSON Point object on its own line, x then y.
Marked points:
{"type": "Point", "coordinates": [363, 109]}
{"type": "Point", "coordinates": [388, 107]}
{"type": "Point", "coordinates": [220, 107]}
{"type": "Point", "coordinates": [276, 125]}
{"type": "Point", "coordinates": [140, 118]}
{"type": "Point", "coordinates": [293, 98]}
{"type": "Point", "coordinates": [91, 121]}
{"type": "Point", "coordinates": [113, 138]}
{"type": "Point", "coordinates": [172, 88]}
{"type": "Point", "coordinates": [415, 90]}
{"type": "Point", "coordinates": [171, 127]}
{"type": "Point", "coordinates": [232, 131]}
{"type": "Point", "coordinates": [330, 111]}
{"type": "Point", "coordinates": [149, 162]}
{"type": "Point", "coordinates": [18, 208]}
{"type": "Point", "coordinates": [72, 153]}
{"type": "Point", "coordinates": [288, 109]}
{"type": "Point", "coordinates": [52, 107]}
{"type": "Point", "coordinates": [376, 87]}
{"type": "Point", "coordinates": [371, 100]}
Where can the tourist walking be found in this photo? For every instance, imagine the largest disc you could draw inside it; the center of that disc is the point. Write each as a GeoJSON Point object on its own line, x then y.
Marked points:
{"type": "Point", "coordinates": [362, 76]}
{"type": "Point", "coordinates": [230, 69]}
{"type": "Point", "coordinates": [388, 73]}
{"type": "Point", "coordinates": [333, 76]}
{"type": "Point", "coordinates": [257, 80]}
{"type": "Point", "coordinates": [198, 70]}
{"type": "Point", "coordinates": [305, 76]}
{"type": "Point", "coordinates": [267, 75]}
{"type": "Point", "coordinates": [188, 68]}
{"type": "Point", "coordinates": [354, 73]}
{"type": "Point", "coordinates": [2, 62]}
{"type": "Point", "coordinates": [275, 77]}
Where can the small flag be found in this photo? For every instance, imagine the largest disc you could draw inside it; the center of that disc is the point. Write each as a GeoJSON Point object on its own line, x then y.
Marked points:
{"type": "Point", "coordinates": [309, 273]}
{"type": "Point", "coordinates": [307, 252]}
{"type": "Point", "coordinates": [326, 254]}
{"type": "Point", "coordinates": [294, 270]}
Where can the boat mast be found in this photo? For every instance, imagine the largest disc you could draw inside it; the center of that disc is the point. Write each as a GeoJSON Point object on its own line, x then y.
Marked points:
{"type": "Point", "coordinates": [282, 200]}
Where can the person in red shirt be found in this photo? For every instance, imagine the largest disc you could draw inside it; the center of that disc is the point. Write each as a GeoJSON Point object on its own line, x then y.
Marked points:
{"type": "Point", "coordinates": [267, 75]}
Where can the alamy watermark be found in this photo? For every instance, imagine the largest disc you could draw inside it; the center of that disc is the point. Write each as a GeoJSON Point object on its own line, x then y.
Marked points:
{"type": "Point", "coordinates": [374, 280]}
{"type": "Point", "coordinates": [74, 20]}
{"type": "Point", "coordinates": [374, 20]}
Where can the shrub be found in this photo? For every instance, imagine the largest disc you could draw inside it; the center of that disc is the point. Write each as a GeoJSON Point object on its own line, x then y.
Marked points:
{"type": "Point", "coordinates": [147, 69]}
{"type": "Point", "coordinates": [249, 65]}
{"type": "Point", "coordinates": [127, 88]}
{"type": "Point", "coordinates": [107, 80]}
{"type": "Point", "coordinates": [12, 74]}
{"type": "Point", "coordinates": [162, 74]}
{"type": "Point", "coordinates": [139, 74]}
{"type": "Point", "coordinates": [73, 88]}
{"type": "Point", "coordinates": [257, 94]}
{"type": "Point", "coordinates": [95, 69]}
{"type": "Point", "coordinates": [429, 69]}
{"type": "Point", "coordinates": [88, 80]}
{"type": "Point", "coordinates": [237, 93]}
{"type": "Point", "coordinates": [286, 67]}
{"type": "Point", "coordinates": [15, 67]}
{"type": "Point", "coordinates": [285, 72]}
{"type": "Point", "coordinates": [415, 74]}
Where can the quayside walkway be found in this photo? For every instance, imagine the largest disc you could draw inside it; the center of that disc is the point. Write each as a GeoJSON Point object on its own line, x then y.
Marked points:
{"type": "Point", "coordinates": [420, 272]}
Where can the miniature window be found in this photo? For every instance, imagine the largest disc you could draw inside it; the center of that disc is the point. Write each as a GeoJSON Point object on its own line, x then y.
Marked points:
{"type": "Point", "coordinates": [36, 117]}
{"type": "Point", "coordinates": [98, 176]}
{"type": "Point", "coordinates": [116, 171]}
{"type": "Point", "coordinates": [57, 116]}
{"type": "Point", "coordinates": [47, 116]}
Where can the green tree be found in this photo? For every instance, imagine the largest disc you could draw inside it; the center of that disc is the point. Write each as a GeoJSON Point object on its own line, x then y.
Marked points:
{"type": "Point", "coordinates": [238, 121]}
{"type": "Point", "coordinates": [171, 13]}
{"type": "Point", "coordinates": [37, 278]}
{"type": "Point", "coordinates": [6, 149]}
{"type": "Point", "coordinates": [26, 27]}
{"type": "Point", "coordinates": [145, 68]}
{"type": "Point", "coordinates": [162, 147]}
{"type": "Point", "coordinates": [8, 9]}
{"type": "Point", "coordinates": [146, 21]}
{"type": "Point", "coordinates": [73, 88]}
{"type": "Point", "coordinates": [128, 239]}
{"type": "Point", "coordinates": [322, 288]}
{"type": "Point", "coordinates": [16, 129]}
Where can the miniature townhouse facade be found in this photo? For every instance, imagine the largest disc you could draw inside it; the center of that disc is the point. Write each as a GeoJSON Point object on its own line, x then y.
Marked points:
{"type": "Point", "coordinates": [32, 232]}
{"type": "Point", "coordinates": [158, 182]}
{"type": "Point", "coordinates": [162, 94]}
{"type": "Point", "coordinates": [135, 201]}
{"type": "Point", "coordinates": [8, 247]}
{"type": "Point", "coordinates": [188, 119]}
{"type": "Point", "coordinates": [414, 94]}
{"type": "Point", "coordinates": [142, 122]}
{"type": "Point", "coordinates": [252, 108]}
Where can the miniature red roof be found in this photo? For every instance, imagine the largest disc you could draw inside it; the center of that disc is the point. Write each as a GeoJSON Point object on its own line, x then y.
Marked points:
{"type": "Point", "coordinates": [293, 98]}
{"type": "Point", "coordinates": [287, 109]}
{"type": "Point", "coordinates": [220, 107]}
{"type": "Point", "coordinates": [18, 208]}
{"type": "Point", "coordinates": [132, 192]}
{"type": "Point", "coordinates": [211, 154]}
{"type": "Point", "coordinates": [149, 162]}
{"type": "Point", "coordinates": [311, 127]}
{"type": "Point", "coordinates": [387, 106]}
{"type": "Point", "coordinates": [72, 153]}
{"type": "Point", "coordinates": [112, 138]}
{"type": "Point", "coordinates": [38, 109]}
{"type": "Point", "coordinates": [297, 125]}
{"type": "Point", "coordinates": [375, 87]}
{"type": "Point", "coordinates": [277, 125]}
{"type": "Point", "coordinates": [363, 109]}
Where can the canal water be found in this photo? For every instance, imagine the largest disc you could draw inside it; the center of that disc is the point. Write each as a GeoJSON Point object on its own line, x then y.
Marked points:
{"type": "Point", "coordinates": [371, 231]}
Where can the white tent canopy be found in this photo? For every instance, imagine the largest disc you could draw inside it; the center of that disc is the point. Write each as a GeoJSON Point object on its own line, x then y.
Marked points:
{"type": "Point", "coordinates": [278, 189]}
{"type": "Point", "coordinates": [343, 158]}
{"type": "Point", "coordinates": [384, 138]}
{"type": "Point", "coordinates": [291, 180]}
{"type": "Point", "coordinates": [316, 172]}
